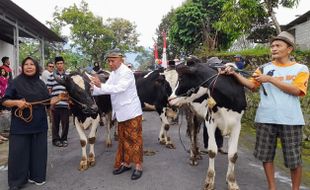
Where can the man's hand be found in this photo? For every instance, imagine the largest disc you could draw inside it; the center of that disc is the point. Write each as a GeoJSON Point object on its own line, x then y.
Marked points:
{"type": "Point", "coordinates": [96, 81]}
{"type": "Point", "coordinates": [262, 78]}
{"type": "Point", "coordinates": [60, 97]}
{"type": "Point", "coordinates": [228, 70]}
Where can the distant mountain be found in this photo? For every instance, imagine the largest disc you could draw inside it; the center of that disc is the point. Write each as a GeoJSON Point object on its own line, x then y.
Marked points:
{"type": "Point", "coordinates": [130, 58]}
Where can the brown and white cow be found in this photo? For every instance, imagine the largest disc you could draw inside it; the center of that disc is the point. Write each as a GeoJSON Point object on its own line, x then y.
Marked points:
{"type": "Point", "coordinates": [220, 100]}
{"type": "Point", "coordinates": [85, 112]}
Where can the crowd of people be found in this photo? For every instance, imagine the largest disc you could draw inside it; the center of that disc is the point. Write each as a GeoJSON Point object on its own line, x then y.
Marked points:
{"type": "Point", "coordinates": [278, 115]}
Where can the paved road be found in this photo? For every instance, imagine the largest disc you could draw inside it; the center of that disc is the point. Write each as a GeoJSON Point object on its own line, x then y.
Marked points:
{"type": "Point", "coordinates": [167, 169]}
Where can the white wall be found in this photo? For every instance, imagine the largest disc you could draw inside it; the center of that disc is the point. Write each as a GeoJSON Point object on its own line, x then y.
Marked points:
{"type": "Point", "coordinates": [7, 49]}
{"type": "Point", "coordinates": [302, 33]}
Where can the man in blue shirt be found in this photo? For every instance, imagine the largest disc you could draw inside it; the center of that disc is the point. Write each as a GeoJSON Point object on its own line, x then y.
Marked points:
{"type": "Point", "coordinates": [239, 62]}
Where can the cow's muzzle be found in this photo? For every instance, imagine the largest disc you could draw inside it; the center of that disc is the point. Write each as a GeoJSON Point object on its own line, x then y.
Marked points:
{"type": "Point", "coordinates": [90, 110]}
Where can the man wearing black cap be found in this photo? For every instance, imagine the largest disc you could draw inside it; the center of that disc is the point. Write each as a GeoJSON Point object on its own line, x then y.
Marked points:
{"type": "Point", "coordinates": [279, 114]}
{"type": "Point", "coordinates": [60, 112]}
{"type": "Point", "coordinates": [127, 111]}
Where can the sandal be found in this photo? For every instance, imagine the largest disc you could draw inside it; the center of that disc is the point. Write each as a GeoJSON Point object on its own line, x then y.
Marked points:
{"type": "Point", "coordinates": [64, 143]}
{"type": "Point", "coordinates": [58, 144]}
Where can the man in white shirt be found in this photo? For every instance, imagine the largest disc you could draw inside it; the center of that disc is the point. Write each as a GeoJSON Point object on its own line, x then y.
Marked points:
{"type": "Point", "coordinates": [127, 111]}
{"type": "Point", "coordinates": [47, 72]}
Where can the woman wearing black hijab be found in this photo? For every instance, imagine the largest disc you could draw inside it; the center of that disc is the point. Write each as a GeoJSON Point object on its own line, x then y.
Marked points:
{"type": "Point", "coordinates": [28, 139]}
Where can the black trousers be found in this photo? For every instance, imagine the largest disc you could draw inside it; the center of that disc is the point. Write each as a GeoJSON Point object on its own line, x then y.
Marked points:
{"type": "Point", "coordinates": [27, 158]}
{"type": "Point", "coordinates": [218, 137]}
{"type": "Point", "coordinates": [60, 115]}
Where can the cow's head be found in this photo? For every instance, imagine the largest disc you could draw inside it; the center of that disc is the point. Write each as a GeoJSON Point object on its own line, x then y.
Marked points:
{"type": "Point", "coordinates": [190, 85]}
{"type": "Point", "coordinates": [79, 89]}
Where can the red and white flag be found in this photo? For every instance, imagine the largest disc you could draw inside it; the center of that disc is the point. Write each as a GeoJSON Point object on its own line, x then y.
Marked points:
{"type": "Point", "coordinates": [164, 56]}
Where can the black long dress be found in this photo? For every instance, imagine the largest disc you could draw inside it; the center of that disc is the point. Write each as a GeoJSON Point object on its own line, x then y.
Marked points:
{"type": "Point", "coordinates": [28, 140]}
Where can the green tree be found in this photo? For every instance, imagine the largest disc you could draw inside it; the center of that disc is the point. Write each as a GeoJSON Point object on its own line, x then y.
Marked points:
{"type": "Point", "coordinates": [186, 31]}
{"type": "Point", "coordinates": [125, 35]}
{"type": "Point", "coordinates": [240, 17]}
{"type": "Point", "coordinates": [90, 36]}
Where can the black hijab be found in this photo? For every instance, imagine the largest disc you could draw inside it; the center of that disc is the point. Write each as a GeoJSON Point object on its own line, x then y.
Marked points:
{"type": "Point", "coordinates": [32, 88]}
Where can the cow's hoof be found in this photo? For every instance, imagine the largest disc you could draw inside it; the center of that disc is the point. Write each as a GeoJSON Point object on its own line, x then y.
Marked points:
{"type": "Point", "coordinates": [162, 142]}
{"type": "Point", "coordinates": [209, 182]}
{"type": "Point", "coordinates": [83, 166]}
{"type": "Point", "coordinates": [170, 146]}
{"type": "Point", "coordinates": [91, 163]}
{"type": "Point", "coordinates": [233, 186]}
{"type": "Point", "coordinates": [193, 162]}
{"type": "Point", "coordinates": [209, 186]}
{"type": "Point", "coordinates": [108, 144]}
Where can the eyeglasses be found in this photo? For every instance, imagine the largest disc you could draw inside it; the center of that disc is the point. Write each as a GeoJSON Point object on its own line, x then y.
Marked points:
{"type": "Point", "coordinates": [50, 66]}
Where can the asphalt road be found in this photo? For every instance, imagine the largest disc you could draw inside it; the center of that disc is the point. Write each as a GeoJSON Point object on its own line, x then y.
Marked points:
{"type": "Point", "coordinates": [166, 170]}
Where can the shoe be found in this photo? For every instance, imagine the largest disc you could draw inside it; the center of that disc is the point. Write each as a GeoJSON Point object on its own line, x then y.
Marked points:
{"type": "Point", "coordinates": [64, 143]}
{"type": "Point", "coordinates": [136, 174]}
{"type": "Point", "coordinates": [14, 188]}
{"type": "Point", "coordinates": [121, 170]}
{"type": "Point", "coordinates": [37, 183]}
{"type": "Point", "coordinates": [58, 144]}
{"type": "Point", "coordinates": [220, 150]}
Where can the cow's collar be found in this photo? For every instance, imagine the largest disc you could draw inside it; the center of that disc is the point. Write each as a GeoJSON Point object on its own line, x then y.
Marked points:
{"type": "Point", "coordinates": [192, 90]}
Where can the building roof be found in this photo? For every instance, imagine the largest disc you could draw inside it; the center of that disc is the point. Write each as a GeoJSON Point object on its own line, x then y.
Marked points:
{"type": "Point", "coordinates": [301, 19]}
{"type": "Point", "coordinates": [9, 11]}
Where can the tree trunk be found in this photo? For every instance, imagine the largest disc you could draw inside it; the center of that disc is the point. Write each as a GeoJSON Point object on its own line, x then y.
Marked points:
{"type": "Point", "coordinates": [275, 22]}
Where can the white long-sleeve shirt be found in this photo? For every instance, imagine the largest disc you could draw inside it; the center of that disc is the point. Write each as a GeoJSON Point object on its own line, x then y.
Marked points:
{"type": "Point", "coordinates": [124, 97]}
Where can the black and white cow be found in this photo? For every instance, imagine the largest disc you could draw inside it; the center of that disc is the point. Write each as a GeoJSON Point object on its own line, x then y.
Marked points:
{"type": "Point", "coordinates": [154, 88]}
{"type": "Point", "coordinates": [85, 112]}
{"type": "Point", "coordinates": [221, 101]}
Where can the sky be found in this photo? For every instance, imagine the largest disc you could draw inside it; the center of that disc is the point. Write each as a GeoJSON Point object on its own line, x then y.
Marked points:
{"type": "Point", "coordinates": [146, 14]}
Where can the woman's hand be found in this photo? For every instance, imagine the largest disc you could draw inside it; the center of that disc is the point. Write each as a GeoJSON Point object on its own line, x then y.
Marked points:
{"type": "Point", "coordinates": [21, 103]}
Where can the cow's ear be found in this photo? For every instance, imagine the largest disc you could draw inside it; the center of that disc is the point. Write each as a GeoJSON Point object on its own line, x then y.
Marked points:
{"type": "Point", "coordinates": [86, 76]}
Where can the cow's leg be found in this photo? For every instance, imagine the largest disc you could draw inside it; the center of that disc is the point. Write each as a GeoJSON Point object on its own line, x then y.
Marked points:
{"type": "Point", "coordinates": [212, 151]}
{"type": "Point", "coordinates": [108, 125]}
{"type": "Point", "coordinates": [161, 137]}
{"type": "Point", "coordinates": [83, 140]}
{"type": "Point", "coordinates": [232, 157]}
{"type": "Point", "coordinates": [192, 133]}
{"type": "Point", "coordinates": [163, 134]}
{"type": "Point", "coordinates": [91, 140]}
{"type": "Point", "coordinates": [196, 131]}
